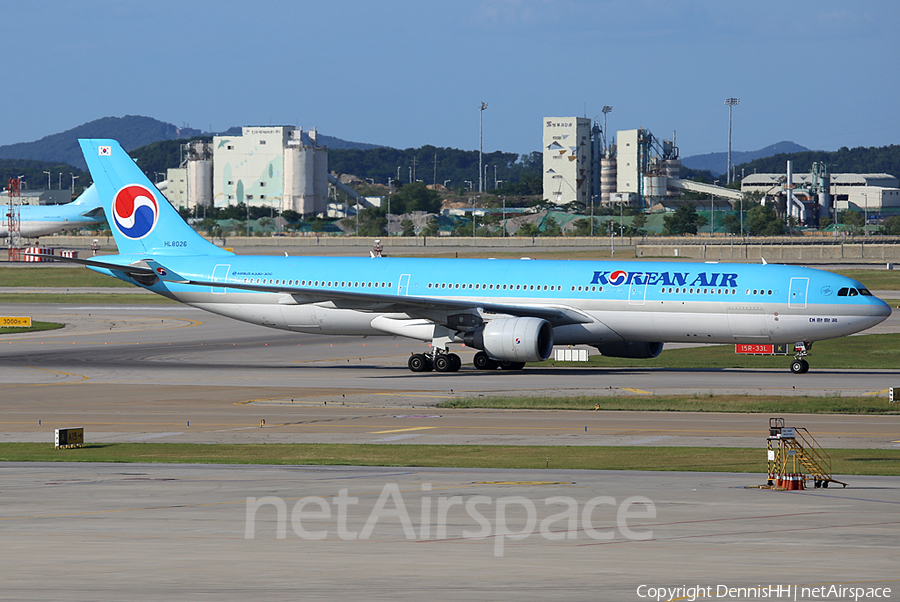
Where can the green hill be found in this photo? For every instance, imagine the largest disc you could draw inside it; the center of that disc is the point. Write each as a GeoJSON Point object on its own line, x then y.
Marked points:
{"type": "Point", "coordinates": [881, 159]}
{"type": "Point", "coordinates": [132, 131]}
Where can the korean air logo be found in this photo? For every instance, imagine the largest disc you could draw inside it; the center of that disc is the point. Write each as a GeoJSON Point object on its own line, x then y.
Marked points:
{"type": "Point", "coordinates": [135, 211]}
{"type": "Point", "coordinates": [162, 271]}
{"type": "Point", "coordinates": [618, 277]}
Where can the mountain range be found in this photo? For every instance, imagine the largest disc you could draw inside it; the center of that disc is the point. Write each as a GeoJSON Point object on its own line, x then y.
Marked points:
{"type": "Point", "coordinates": [717, 163]}
{"type": "Point", "coordinates": [132, 131]}
{"type": "Point", "coordinates": [135, 131]}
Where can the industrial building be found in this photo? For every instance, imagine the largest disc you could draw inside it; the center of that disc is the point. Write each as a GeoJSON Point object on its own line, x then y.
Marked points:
{"type": "Point", "coordinates": [40, 197]}
{"type": "Point", "coordinates": [579, 165]}
{"type": "Point", "coordinates": [190, 184]}
{"type": "Point", "coordinates": [277, 167]}
{"type": "Point", "coordinates": [818, 194]}
{"type": "Point", "coordinates": [567, 159]}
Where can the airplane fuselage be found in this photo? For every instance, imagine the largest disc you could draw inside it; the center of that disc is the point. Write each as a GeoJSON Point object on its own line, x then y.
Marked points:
{"type": "Point", "coordinates": [620, 300]}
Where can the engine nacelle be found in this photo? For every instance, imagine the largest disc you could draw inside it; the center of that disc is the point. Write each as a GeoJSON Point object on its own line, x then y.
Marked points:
{"type": "Point", "coordinates": [632, 349]}
{"type": "Point", "coordinates": [513, 339]}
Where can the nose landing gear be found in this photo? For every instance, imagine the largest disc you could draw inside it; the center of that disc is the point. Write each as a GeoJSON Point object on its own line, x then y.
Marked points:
{"type": "Point", "coordinates": [800, 365]}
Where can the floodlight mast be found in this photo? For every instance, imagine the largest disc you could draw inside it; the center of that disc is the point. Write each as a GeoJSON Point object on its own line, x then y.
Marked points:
{"type": "Point", "coordinates": [480, 147]}
{"type": "Point", "coordinates": [606, 110]}
{"type": "Point", "coordinates": [731, 102]}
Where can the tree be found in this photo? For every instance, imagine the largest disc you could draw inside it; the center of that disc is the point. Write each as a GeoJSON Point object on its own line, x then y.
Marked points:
{"type": "Point", "coordinates": [582, 227]}
{"type": "Point", "coordinates": [763, 221]}
{"type": "Point", "coordinates": [415, 197]}
{"type": "Point", "coordinates": [528, 229]}
{"type": "Point", "coordinates": [372, 222]}
{"type": "Point", "coordinates": [408, 228]}
{"type": "Point", "coordinates": [852, 218]}
{"type": "Point", "coordinates": [892, 225]}
{"type": "Point", "coordinates": [432, 228]}
{"type": "Point", "coordinates": [685, 220]}
{"type": "Point", "coordinates": [551, 227]}
{"type": "Point", "coordinates": [732, 223]}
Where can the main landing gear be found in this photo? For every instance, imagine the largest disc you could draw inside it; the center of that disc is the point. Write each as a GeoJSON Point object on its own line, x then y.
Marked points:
{"type": "Point", "coordinates": [800, 365]}
{"type": "Point", "coordinates": [439, 360]}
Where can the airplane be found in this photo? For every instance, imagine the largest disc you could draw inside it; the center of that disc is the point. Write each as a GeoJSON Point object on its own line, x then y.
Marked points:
{"type": "Point", "coordinates": [40, 220]}
{"type": "Point", "coordinates": [512, 311]}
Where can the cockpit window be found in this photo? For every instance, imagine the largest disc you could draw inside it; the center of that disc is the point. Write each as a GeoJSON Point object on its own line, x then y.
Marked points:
{"type": "Point", "coordinates": [852, 292]}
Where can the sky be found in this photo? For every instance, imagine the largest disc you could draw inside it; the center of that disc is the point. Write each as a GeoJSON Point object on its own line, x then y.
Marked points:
{"type": "Point", "coordinates": [405, 73]}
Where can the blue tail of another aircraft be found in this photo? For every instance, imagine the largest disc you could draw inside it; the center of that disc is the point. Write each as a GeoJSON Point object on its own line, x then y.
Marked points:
{"type": "Point", "coordinates": [89, 199]}
{"type": "Point", "coordinates": [140, 217]}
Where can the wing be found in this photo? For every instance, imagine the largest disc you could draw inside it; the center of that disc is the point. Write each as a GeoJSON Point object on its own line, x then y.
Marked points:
{"type": "Point", "coordinates": [431, 308]}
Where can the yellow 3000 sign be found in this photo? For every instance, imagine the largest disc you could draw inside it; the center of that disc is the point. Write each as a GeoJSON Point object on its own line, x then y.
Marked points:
{"type": "Point", "coordinates": [9, 321]}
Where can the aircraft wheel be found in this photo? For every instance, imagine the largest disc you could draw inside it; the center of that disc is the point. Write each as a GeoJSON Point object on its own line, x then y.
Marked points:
{"type": "Point", "coordinates": [825, 484]}
{"type": "Point", "coordinates": [443, 363]}
{"type": "Point", "coordinates": [455, 362]}
{"type": "Point", "coordinates": [799, 366]}
{"type": "Point", "coordinates": [417, 362]}
{"type": "Point", "coordinates": [504, 365]}
{"type": "Point", "coordinates": [482, 361]}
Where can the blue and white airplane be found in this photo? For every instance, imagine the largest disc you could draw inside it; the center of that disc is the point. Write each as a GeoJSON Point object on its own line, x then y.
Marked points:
{"type": "Point", "coordinates": [512, 311]}
{"type": "Point", "coordinates": [40, 220]}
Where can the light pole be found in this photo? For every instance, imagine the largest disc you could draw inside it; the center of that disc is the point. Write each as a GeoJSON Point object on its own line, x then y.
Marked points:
{"type": "Point", "coordinates": [74, 177]}
{"type": "Point", "coordinates": [731, 102]}
{"type": "Point", "coordinates": [48, 180]}
{"type": "Point", "coordinates": [712, 210]}
{"type": "Point", "coordinates": [481, 147]}
{"type": "Point", "coordinates": [866, 215]}
{"type": "Point", "coordinates": [606, 110]}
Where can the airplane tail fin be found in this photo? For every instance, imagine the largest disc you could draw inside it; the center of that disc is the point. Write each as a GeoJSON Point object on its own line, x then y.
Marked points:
{"type": "Point", "coordinates": [89, 198]}
{"type": "Point", "coordinates": [140, 217]}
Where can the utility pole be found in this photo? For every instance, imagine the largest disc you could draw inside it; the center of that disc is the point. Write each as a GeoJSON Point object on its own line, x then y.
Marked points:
{"type": "Point", "coordinates": [48, 180]}
{"type": "Point", "coordinates": [481, 147]}
{"type": "Point", "coordinates": [731, 102]}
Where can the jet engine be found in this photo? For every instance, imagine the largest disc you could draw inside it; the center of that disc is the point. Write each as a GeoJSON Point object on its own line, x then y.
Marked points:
{"type": "Point", "coordinates": [633, 349]}
{"type": "Point", "coordinates": [513, 339]}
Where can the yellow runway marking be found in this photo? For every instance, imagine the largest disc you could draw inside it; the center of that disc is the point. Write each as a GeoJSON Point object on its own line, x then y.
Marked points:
{"type": "Point", "coordinates": [415, 428]}
{"type": "Point", "coordinates": [884, 391]}
{"type": "Point", "coordinates": [638, 391]}
{"type": "Point", "coordinates": [413, 395]}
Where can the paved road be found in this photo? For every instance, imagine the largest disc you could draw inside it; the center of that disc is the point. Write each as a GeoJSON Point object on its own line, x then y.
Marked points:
{"type": "Point", "coordinates": [140, 532]}
{"type": "Point", "coordinates": [139, 373]}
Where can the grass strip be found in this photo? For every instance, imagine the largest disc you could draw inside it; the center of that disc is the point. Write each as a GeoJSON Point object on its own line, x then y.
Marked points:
{"type": "Point", "coordinates": [92, 298]}
{"type": "Point", "coordinates": [747, 404]}
{"type": "Point", "coordinates": [877, 280]}
{"type": "Point", "coordinates": [36, 326]}
{"type": "Point", "coordinates": [873, 351]}
{"type": "Point", "coordinates": [53, 276]}
{"type": "Point", "coordinates": [705, 459]}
